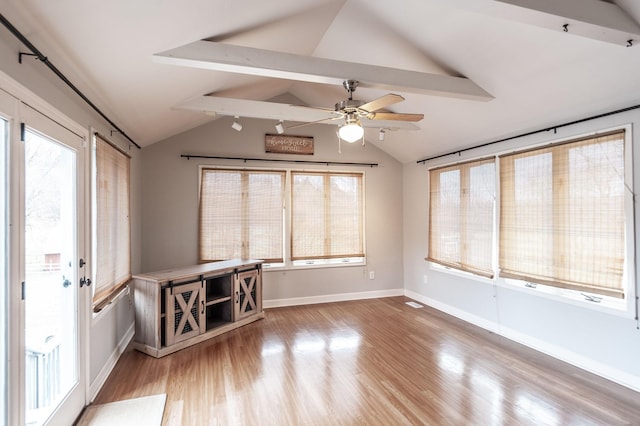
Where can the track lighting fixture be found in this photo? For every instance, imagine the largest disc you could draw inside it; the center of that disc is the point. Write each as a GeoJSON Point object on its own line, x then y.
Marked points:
{"type": "Point", "coordinates": [236, 124]}
{"type": "Point", "coordinates": [381, 134]}
{"type": "Point", "coordinates": [280, 128]}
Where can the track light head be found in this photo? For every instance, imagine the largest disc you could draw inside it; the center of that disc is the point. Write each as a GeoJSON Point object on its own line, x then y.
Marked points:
{"type": "Point", "coordinates": [236, 124]}
{"type": "Point", "coordinates": [280, 128]}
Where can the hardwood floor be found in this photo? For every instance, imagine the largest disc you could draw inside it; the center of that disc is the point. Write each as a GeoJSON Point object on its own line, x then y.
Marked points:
{"type": "Point", "coordinates": [373, 362]}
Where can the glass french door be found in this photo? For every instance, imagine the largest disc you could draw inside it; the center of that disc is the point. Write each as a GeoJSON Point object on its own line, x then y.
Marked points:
{"type": "Point", "coordinates": [4, 278]}
{"type": "Point", "coordinates": [52, 373]}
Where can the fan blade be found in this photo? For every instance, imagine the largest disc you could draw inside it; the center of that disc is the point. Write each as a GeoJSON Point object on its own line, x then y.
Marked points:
{"type": "Point", "coordinates": [388, 125]}
{"type": "Point", "coordinates": [315, 107]}
{"type": "Point", "coordinates": [395, 116]}
{"type": "Point", "coordinates": [382, 102]}
{"type": "Point", "coordinates": [295, 126]}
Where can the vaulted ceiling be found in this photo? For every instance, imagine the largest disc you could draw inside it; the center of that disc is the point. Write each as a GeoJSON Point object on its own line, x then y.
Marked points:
{"type": "Point", "coordinates": [537, 72]}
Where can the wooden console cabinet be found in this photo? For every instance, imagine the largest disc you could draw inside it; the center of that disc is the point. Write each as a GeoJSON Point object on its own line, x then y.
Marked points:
{"type": "Point", "coordinates": [176, 308]}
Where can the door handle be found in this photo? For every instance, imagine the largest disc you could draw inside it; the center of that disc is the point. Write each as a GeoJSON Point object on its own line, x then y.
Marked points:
{"type": "Point", "coordinates": [65, 282]}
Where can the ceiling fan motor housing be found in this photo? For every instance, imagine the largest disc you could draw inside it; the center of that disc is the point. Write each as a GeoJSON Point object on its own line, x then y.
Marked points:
{"type": "Point", "coordinates": [348, 105]}
{"type": "Point", "coordinates": [350, 85]}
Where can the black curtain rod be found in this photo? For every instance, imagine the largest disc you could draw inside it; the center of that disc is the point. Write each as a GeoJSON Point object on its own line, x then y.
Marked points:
{"type": "Point", "coordinates": [57, 72]}
{"type": "Point", "coordinates": [338, 163]}
{"type": "Point", "coordinates": [554, 128]}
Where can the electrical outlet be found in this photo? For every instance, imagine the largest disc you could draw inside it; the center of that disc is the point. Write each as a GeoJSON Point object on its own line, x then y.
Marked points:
{"type": "Point", "coordinates": [425, 278]}
{"type": "Point", "coordinates": [372, 275]}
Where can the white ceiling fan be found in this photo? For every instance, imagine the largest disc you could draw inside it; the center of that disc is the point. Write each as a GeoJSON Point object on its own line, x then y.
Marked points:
{"type": "Point", "coordinates": [353, 111]}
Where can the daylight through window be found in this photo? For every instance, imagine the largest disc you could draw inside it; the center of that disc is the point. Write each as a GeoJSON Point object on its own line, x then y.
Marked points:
{"type": "Point", "coordinates": [461, 216]}
{"type": "Point", "coordinates": [113, 247]}
{"type": "Point", "coordinates": [562, 215]}
{"type": "Point", "coordinates": [241, 215]}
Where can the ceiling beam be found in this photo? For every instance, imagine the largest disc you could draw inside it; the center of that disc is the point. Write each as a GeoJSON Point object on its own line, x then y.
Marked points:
{"type": "Point", "coordinates": [595, 19]}
{"type": "Point", "coordinates": [246, 60]}
{"type": "Point", "coordinates": [276, 111]}
{"type": "Point", "coordinates": [254, 109]}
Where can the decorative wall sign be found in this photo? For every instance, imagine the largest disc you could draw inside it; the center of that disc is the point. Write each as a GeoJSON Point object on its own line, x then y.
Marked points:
{"type": "Point", "coordinates": [283, 144]}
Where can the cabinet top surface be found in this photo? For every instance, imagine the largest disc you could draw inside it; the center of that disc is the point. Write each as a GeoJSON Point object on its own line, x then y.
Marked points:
{"type": "Point", "coordinates": [207, 269]}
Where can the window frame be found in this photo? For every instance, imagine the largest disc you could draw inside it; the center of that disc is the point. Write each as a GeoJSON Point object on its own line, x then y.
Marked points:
{"type": "Point", "coordinates": [462, 265]}
{"type": "Point", "coordinates": [610, 305]}
{"type": "Point", "coordinates": [289, 264]}
{"type": "Point", "coordinates": [327, 258]}
{"type": "Point", "coordinates": [560, 233]}
{"type": "Point", "coordinates": [243, 172]}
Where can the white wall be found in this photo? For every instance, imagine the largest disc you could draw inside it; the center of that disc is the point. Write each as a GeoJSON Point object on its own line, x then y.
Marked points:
{"type": "Point", "coordinates": [603, 343]}
{"type": "Point", "coordinates": [170, 205]}
{"type": "Point", "coordinates": [106, 335]}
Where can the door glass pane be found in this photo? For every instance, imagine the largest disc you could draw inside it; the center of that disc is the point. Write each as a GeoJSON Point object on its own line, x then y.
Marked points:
{"type": "Point", "coordinates": [4, 140]}
{"type": "Point", "coordinates": [50, 276]}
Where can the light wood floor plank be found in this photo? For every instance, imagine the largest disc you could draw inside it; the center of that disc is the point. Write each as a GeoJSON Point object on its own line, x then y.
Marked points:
{"type": "Point", "coordinates": [368, 362]}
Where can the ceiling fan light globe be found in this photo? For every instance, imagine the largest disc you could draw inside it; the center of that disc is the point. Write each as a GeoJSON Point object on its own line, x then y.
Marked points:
{"type": "Point", "coordinates": [351, 132]}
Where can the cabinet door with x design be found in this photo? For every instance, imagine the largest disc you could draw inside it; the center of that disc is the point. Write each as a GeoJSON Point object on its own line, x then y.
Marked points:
{"type": "Point", "coordinates": [248, 293]}
{"type": "Point", "coordinates": [184, 312]}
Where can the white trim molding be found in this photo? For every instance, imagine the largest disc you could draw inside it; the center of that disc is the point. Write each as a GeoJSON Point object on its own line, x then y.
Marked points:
{"type": "Point", "coordinates": [328, 298]}
{"type": "Point", "coordinates": [603, 370]}
{"type": "Point", "coordinates": [108, 367]}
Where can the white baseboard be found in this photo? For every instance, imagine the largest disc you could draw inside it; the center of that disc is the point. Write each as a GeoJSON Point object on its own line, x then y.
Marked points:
{"type": "Point", "coordinates": [603, 370]}
{"type": "Point", "coordinates": [97, 384]}
{"type": "Point", "coordinates": [341, 297]}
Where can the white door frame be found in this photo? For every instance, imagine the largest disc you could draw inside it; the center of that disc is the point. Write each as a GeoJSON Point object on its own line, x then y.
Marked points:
{"type": "Point", "coordinates": [15, 323]}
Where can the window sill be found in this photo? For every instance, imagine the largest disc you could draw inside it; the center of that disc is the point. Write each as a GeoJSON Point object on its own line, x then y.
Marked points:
{"type": "Point", "coordinates": [97, 316]}
{"type": "Point", "coordinates": [609, 305]}
{"type": "Point", "coordinates": [290, 267]}
{"type": "Point", "coordinates": [463, 274]}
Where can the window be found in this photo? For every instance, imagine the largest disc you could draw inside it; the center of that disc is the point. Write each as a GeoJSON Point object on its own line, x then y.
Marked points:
{"type": "Point", "coordinates": [241, 215]}
{"type": "Point", "coordinates": [327, 211]}
{"type": "Point", "coordinates": [112, 230]}
{"type": "Point", "coordinates": [250, 213]}
{"type": "Point", "coordinates": [461, 216]}
{"type": "Point", "coordinates": [562, 215]}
